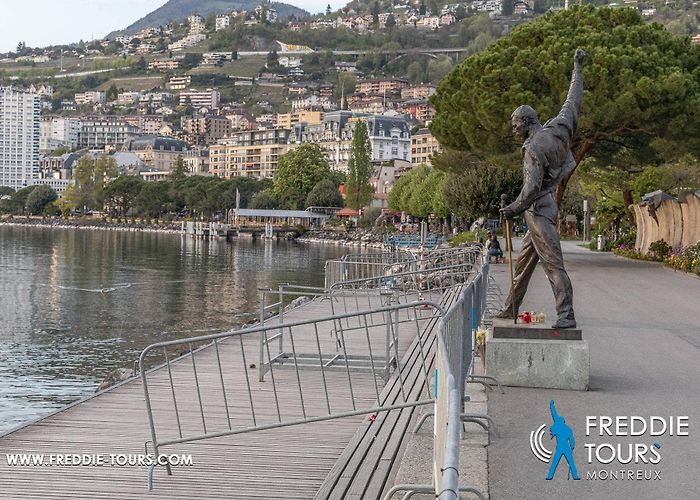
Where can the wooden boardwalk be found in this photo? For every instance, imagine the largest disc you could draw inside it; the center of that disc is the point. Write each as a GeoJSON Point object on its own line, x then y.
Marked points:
{"type": "Point", "coordinates": [287, 462]}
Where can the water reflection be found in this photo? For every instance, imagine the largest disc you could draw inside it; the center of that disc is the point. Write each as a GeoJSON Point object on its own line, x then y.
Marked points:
{"type": "Point", "coordinates": [76, 304]}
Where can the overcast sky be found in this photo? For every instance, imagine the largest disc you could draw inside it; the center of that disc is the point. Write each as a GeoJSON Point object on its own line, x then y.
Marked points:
{"type": "Point", "coordinates": [50, 22]}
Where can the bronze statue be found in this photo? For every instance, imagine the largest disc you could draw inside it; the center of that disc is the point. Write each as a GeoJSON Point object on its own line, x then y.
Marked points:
{"type": "Point", "coordinates": [547, 160]}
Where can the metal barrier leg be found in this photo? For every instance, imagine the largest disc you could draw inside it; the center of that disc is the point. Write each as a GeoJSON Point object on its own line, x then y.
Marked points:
{"type": "Point", "coordinates": [412, 489]}
{"type": "Point", "coordinates": [472, 417]}
{"type": "Point", "coordinates": [422, 421]}
{"type": "Point", "coordinates": [475, 379]}
{"type": "Point", "coordinates": [482, 382]}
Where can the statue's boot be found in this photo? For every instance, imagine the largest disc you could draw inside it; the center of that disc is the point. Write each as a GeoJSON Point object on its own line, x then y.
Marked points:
{"type": "Point", "coordinates": [506, 313]}
{"type": "Point", "coordinates": [563, 323]}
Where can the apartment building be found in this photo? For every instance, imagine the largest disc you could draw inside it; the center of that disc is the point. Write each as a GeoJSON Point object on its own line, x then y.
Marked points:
{"type": "Point", "coordinates": [417, 91]}
{"type": "Point", "coordinates": [104, 131]}
{"type": "Point", "coordinates": [287, 120]}
{"type": "Point", "coordinates": [222, 22]}
{"type": "Point", "coordinates": [381, 85]}
{"type": "Point", "coordinates": [252, 153]}
{"type": "Point", "coordinates": [55, 131]}
{"type": "Point", "coordinates": [179, 82]}
{"type": "Point", "coordinates": [90, 97]}
{"type": "Point", "coordinates": [241, 119]}
{"type": "Point", "coordinates": [206, 129]}
{"type": "Point", "coordinates": [423, 147]}
{"type": "Point", "coordinates": [19, 137]}
{"type": "Point", "coordinates": [196, 23]}
{"type": "Point", "coordinates": [420, 109]}
{"type": "Point", "coordinates": [164, 65]}
{"type": "Point", "coordinates": [209, 98]}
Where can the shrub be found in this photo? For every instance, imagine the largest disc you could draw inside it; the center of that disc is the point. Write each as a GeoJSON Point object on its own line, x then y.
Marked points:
{"type": "Point", "coordinates": [687, 260]}
{"type": "Point", "coordinates": [659, 250]}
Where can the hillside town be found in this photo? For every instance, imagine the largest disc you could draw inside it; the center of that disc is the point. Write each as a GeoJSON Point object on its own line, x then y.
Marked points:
{"type": "Point", "coordinates": [195, 110]}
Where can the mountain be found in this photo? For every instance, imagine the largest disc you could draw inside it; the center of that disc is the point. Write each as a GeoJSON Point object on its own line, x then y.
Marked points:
{"type": "Point", "coordinates": [178, 10]}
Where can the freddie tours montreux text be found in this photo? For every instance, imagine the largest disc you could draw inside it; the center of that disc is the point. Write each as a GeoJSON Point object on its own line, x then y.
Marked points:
{"type": "Point", "coordinates": [618, 448]}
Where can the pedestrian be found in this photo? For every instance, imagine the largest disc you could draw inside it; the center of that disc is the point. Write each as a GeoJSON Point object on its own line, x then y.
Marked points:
{"type": "Point", "coordinates": [493, 248]}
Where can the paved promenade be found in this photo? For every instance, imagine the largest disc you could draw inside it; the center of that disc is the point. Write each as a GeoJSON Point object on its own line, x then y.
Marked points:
{"type": "Point", "coordinates": [643, 327]}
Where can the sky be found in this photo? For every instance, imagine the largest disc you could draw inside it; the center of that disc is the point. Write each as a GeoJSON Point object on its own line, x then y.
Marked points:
{"type": "Point", "coordinates": [39, 23]}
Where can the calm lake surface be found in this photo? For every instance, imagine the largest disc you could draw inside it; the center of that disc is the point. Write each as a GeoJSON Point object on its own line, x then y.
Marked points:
{"type": "Point", "coordinates": [76, 304]}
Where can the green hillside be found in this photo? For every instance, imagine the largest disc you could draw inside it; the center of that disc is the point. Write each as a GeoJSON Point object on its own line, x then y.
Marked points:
{"type": "Point", "coordinates": [178, 10]}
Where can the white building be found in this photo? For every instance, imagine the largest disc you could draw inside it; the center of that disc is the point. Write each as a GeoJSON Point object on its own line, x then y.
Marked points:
{"type": "Point", "coordinates": [390, 138]}
{"type": "Point", "coordinates": [209, 98]}
{"type": "Point", "coordinates": [187, 42]}
{"type": "Point", "coordinates": [19, 130]}
{"type": "Point", "coordinates": [128, 98]}
{"type": "Point", "coordinates": [270, 13]}
{"type": "Point", "coordinates": [222, 22]}
{"type": "Point", "coordinates": [90, 97]}
{"type": "Point", "coordinates": [55, 131]}
{"type": "Point", "coordinates": [179, 82]}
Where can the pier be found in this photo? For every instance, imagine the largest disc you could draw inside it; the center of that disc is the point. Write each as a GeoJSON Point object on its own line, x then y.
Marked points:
{"type": "Point", "coordinates": [313, 401]}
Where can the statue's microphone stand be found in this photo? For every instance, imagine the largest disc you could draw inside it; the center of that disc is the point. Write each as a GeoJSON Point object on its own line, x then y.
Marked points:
{"type": "Point", "coordinates": [509, 245]}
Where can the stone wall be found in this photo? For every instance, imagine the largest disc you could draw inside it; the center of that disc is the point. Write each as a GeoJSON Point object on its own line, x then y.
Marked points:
{"type": "Point", "coordinates": [676, 221]}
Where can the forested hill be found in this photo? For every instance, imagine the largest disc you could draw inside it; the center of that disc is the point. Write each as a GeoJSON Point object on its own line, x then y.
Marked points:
{"type": "Point", "coordinates": [178, 10]}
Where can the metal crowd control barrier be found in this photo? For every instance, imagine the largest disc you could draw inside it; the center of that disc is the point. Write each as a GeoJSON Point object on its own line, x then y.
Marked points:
{"type": "Point", "coordinates": [454, 366]}
{"type": "Point", "coordinates": [190, 399]}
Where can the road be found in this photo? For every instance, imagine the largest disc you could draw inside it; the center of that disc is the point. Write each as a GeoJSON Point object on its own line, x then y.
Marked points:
{"type": "Point", "coordinates": [641, 322]}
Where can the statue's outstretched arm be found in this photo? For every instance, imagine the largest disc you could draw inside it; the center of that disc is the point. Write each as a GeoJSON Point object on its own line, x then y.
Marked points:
{"type": "Point", "coordinates": [571, 109]}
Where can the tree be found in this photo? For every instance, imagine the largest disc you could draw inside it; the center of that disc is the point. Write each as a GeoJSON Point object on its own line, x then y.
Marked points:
{"type": "Point", "coordinates": [191, 60]}
{"type": "Point", "coordinates": [39, 198]}
{"type": "Point", "coordinates": [507, 7]}
{"type": "Point", "coordinates": [298, 171]}
{"type": "Point", "coordinates": [60, 151]}
{"type": "Point", "coordinates": [152, 199]}
{"type": "Point", "coordinates": [358, 190]}
{"type": "Point", "coordinates": [345, 85]}
{"type": "Point", "coordinates": [141, 64]}
{"type": "Point", "coordinates": [112, 93]}
{"type": "Point", "coordinates": [324, 194]}
{"type": "Point", "coordinates": [272, 60]}
{"type": "Point", "coordinates": [433, 7]}
{"type": "Point", "coordinates": [639, 82]}
{"type": "Point", "coordinates": [122, 192]}
{"type": "Point", "coordinates": [180, 169]}
{"type": "Point", "coordinates": [263, 200]}
{"type": "Point", "coordinates": [375, 13]}
{"type": "Point", "coordinates": [404, 188]}
{"type": "Point", "coordinates": [421, 203]}
{"type": "Point", "coordinates": [328, 10]}
{"type": "Point", "coordinates": [473, 187]}
{"type": "Point", "coordinates": [91, 178]}
{"type": "Point", "coordinates": [390, 22]}
{"type": "Point", "coordinates": [421, 9]}
{"type": "Point", "coordinates": [18, 200]}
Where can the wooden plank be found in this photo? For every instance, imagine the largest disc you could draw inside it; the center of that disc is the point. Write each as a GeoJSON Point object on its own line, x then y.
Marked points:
{"type": "Point", "coordinates": [295, 460]}
{"type": "Point", "coordinates": [364, 467]}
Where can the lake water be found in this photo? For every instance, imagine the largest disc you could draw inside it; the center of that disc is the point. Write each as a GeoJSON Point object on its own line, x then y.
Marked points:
{"type": "Point", "coordinates": [76, 304]}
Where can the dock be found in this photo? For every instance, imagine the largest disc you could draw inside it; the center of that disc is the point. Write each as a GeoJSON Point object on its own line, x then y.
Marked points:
{"type": "Point", "coordinates": [321, 457]}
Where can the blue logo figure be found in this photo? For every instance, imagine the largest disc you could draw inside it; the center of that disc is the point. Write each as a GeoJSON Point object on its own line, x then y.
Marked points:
{"type": "Point", "coordinates": [565, 444]}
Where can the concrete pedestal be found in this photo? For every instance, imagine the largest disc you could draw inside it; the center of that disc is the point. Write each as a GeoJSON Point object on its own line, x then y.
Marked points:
{"type": "Point", "coordinates": [547, 363]}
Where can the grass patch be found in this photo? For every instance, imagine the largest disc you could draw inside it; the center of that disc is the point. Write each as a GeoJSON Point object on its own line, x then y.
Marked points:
{"type": "Point", "coordinates": [461, 238]}
{"type": "Point", "coordinates": [133, 83]}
